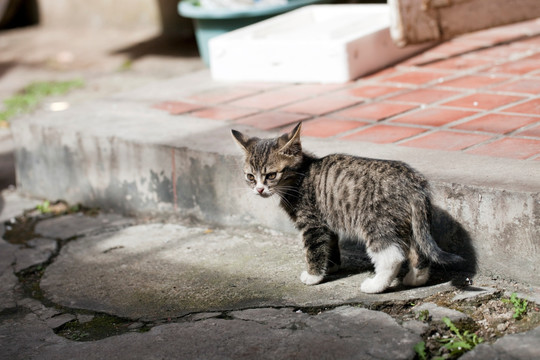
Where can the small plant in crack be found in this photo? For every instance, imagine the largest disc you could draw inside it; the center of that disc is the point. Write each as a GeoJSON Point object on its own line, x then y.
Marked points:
{"type": "Point", "coordinates": [520, 305]}
{"type": "Point", "coordinates": [420, 349]}
{"type": "Point", "coordinates": [423, 315]}
{"type": "Point", "coordinates": [459, 342]}
{"type": "Point", "coordinates": [44, 207]}
{"type": "Point", "coordinates": [58, 207]}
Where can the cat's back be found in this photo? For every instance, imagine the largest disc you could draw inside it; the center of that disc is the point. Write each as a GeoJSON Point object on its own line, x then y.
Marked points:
{"type": "Point", "coordinates": [342, 167]}
{"type": "Point", "coordinates": [341, 178]}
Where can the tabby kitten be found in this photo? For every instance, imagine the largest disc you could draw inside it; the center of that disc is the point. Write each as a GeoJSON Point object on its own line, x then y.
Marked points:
{"type": "Point", "coordinates": [386, 204]}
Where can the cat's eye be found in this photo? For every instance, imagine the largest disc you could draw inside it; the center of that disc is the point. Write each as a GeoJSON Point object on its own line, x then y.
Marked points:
{"type": "Point", "coordinates": [271, 176]}
{"type": "Point", "coordinates": [250, 177]}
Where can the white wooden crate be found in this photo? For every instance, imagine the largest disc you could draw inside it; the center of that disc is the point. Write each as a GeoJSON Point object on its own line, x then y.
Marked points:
{"type": "Point", "coordinates": [318, 43]}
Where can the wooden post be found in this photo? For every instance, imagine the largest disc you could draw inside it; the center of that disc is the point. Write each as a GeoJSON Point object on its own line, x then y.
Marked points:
{"type": "Point", "coordinates": [416, 21]}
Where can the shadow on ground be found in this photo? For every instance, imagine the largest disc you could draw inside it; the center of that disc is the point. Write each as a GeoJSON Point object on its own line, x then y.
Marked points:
{"type": "Point", "coordinates": [162, 45]}
{"type": "Point", "coordinates": [452, 237]}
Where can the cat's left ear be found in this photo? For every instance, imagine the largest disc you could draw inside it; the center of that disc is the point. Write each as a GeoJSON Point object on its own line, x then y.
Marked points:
{"type": "Point", "coordinates": [292, 146]}
{"type": "Point", "coordinates": [241, 140]}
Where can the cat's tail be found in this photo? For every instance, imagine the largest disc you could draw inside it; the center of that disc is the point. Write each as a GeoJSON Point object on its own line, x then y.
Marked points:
{"type": "Point", "coordinates": [422, 235]}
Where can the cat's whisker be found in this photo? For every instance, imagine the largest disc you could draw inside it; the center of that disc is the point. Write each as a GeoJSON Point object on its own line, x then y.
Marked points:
{"type": "Point", "coordinates": [284, 201]}
{"type": "Point", "coordinates": [295, 194]}
{"type": "Point", "coordinates": [291, 189]}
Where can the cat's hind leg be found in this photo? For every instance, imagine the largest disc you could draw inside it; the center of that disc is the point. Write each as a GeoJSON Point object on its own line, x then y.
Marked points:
{"type": "Point", "coordinates": [387, 265]}
{"type": "Point", "coordinates": [418, 269]}
{"type": "Point", "coordinates": [334, 258]}
{"type": "Point", "coordinates": [318, 244]}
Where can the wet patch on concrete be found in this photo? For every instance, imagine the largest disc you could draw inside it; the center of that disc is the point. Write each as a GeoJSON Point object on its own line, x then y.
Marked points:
{"type": "Point", "coordinates": [101, 326]}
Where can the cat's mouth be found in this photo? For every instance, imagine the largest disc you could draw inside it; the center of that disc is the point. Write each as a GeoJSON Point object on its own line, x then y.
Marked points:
{"type": "Point", "coordinates": [264, 193]}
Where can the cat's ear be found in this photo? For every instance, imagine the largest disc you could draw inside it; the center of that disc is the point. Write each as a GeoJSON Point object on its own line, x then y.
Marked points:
{"type": "Point", "coordinates": [291, 142]}
{"type": "Point", "coordinates": [241, 140]}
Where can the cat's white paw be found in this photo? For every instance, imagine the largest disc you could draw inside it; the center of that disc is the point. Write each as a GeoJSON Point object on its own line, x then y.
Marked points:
{"type": "Point", "coordinates": [372, 286]}
{"type": "Point", "coordinates": [416, 277]}
{"type": "Point", "coordinates": [310, 279]}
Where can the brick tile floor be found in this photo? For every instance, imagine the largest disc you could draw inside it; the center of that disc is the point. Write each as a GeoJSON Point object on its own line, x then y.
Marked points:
{"type": "Point", "coordinates": [447, 140]}
{"type": "Point", "coordinates": [223, 113]}
{"type": "Point", "coordinates": [478, 93]}
{"type": "Point", "coordinates": [519, 67]}
{"type": "Point", "coordinates": [321, 105]}
{"type": "Point", "coordinates": [509, 148]}
{"type": "Point", "coordinates": [424, 96]}
{"type": "Point", "coordinates": [434, 116]}
{"type": "Point", "coordinates": [532, 131]}
{"type": "Point", "coordinates": [416, 77]}
{"type": "Point", "coordinates": [327, 127]}
{"type": "Point", "coordinates": [497, 52]}
{"type": "Point", "coordinates": [375, 111]}
{"type": "Point", "coordinates": [483, 101]}
{"type": "Point", "coordinates": [527, 86]}
{"type": "Point", "coordinates": [371, 91]}
{"type": "Point", "coordinates": [497, 123]}
{"type": "Point", "coordinates": [270, 120]}
{"type": "Point", "coordinates": [384, 134]}
{"type": "Point", "coordinates": [458, 63]}
{"type": "Point", "coordinates": [475, 81]}
{"type": "Point", "coordinates": [270, 100]}
{"type": "Point", "coordinates": [529, 107]}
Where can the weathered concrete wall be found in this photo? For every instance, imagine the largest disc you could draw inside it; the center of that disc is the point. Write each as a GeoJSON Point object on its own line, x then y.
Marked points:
{"type": "Point", "coordinates": [118, 14]}
{"type": "Point", "coordinates": [501, 227]}
{"type": "Point", "coordinates": [7, 161]}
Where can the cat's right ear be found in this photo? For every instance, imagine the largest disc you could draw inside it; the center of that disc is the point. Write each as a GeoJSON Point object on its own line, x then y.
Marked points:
{"type": "Point", "coordinates": [241, 140]}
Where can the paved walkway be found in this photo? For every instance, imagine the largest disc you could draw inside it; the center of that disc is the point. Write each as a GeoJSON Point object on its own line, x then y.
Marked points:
{"type": "Point", "coordinates": [478, 93]}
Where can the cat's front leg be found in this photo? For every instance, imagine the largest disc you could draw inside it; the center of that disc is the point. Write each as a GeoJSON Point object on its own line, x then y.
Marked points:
{"type": "Point", "coordinates": [308, 279]}
{"type": "Point", "coordinates": [317, 244]}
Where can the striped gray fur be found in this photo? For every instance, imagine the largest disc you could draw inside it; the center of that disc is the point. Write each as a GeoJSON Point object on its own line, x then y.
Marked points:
{"type": "Point", "coordinates": [386, 204]}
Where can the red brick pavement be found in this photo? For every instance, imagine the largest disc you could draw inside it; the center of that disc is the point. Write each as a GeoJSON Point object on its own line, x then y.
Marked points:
{"type": "Point", "coordinates": [478, 93]}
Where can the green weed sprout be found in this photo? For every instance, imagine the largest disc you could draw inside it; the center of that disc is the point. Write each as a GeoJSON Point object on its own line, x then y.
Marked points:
{"type": "Point", "coordinates": [44, 207]}
{"type": "Point", "coordinates": [420, 349]}
{"type": "Point", "coordinates": [32, 95]}
{"type": "Point", "coordinates": [459, 343]}
{"type": "Point", "coordinates": [520, 305]}
{"type": "Point", "coordinates": [423, 315]}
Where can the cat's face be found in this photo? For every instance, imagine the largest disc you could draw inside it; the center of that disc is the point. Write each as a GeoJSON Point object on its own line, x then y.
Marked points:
{"type": "Point", "coordinates": [269, 162]}
{"type": "Point", "coordinates": [263, 180]}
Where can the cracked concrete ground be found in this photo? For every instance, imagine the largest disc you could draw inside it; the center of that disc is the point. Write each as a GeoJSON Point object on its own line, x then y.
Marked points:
{"type": "Point", "coordinates": [258, 333]}
{"type": "Point", "coordinates": [190, 291]}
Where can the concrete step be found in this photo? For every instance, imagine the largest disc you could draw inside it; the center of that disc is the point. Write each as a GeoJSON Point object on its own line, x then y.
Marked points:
{"type": "Point", "coordinates": [123, 154]}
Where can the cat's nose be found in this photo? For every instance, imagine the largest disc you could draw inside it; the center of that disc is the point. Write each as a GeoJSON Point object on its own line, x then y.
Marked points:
{"type": "Point", "coordinates": [260, 190]}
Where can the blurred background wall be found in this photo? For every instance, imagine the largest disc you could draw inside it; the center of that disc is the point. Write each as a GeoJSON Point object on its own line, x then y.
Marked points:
{"type": "Point", "coordinates": [118, 14]}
